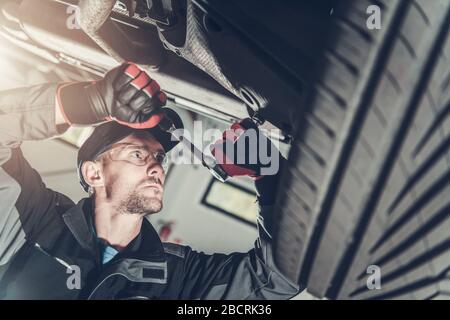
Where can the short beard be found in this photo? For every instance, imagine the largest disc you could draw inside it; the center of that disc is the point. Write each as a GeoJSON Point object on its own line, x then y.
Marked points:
{"type": "Point", "coordinates": [138, 204]}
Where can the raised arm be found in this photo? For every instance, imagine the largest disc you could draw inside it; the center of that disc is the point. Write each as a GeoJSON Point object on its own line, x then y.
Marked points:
{"type": "Point", "coordinates": [254, 274]}
{"type": "Point", "coordinates": [25, 114]}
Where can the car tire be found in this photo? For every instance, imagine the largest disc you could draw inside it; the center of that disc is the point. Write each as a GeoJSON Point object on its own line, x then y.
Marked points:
{"type": "Point", "coordinates": [364, 207]}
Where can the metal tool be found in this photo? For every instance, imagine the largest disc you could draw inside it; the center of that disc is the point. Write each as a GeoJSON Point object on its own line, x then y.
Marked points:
{"type": "Point", "coordinates": [207, 161]}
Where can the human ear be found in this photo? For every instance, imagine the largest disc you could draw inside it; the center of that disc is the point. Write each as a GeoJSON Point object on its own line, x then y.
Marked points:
{"type": "Point", "coordinates": [92, 174]}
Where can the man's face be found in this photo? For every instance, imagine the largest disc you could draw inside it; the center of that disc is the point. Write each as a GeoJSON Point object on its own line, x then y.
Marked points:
{"type": "Point", "coordinates": [136, 186]}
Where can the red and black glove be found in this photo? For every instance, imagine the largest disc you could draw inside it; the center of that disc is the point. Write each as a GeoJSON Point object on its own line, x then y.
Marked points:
{"type": "Point", "coordinates": [252, 154]}
{"type": "Point", "coordinates": [245, 151]}
{"type": "Point", "coordinates": [126, 94]}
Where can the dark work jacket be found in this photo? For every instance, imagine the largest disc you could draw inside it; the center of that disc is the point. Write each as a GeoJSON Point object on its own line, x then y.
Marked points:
{"type": "Point", "coordinates": [48, 249]}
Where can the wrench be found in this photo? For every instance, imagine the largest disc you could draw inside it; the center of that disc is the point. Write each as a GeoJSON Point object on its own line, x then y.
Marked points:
{"type": "Point", "coordinates": [207, 161]}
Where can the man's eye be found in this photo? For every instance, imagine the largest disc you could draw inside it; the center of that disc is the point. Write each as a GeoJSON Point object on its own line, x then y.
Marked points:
{"type": "Point", "coordinates": [137, 154]}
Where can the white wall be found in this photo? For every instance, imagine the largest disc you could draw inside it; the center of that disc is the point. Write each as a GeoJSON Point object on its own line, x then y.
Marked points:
{"type": "Point", "coordinates": [56, 162]}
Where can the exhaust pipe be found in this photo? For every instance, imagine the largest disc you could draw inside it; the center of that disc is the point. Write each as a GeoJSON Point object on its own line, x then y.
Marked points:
{"type": "Point", "coordinates": [95, 22]}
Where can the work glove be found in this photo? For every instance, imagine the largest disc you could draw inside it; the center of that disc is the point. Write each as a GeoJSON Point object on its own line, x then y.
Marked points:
{"type": "Point", "coordinates": [244, 150]}
{"type": "Point", "coordinates": [126, 94]}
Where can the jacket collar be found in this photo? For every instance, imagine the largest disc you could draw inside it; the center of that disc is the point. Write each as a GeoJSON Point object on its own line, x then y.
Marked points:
{"type": "Point", "coordinates": [147, 244]}
{"type": "Point", "coordinates": [80, 223]}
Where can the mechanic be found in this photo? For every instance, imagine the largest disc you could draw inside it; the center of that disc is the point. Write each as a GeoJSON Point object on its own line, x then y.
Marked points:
{"type": "Point", "coordinates": [103, 247]}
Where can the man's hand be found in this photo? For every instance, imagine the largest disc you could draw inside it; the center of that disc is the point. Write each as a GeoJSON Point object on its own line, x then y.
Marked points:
{"type": "Point", "coordinates": [245, 151]}
{"type": "Point", "coordinates": [126, 94]}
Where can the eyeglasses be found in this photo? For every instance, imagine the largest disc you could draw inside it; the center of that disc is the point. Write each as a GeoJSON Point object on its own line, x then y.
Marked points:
{"type": "Point", "coordinates": [137, 155]}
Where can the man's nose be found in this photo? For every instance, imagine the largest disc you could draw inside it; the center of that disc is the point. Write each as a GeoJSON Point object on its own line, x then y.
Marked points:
{"type": "Point", "coordinates": [156, 170]}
